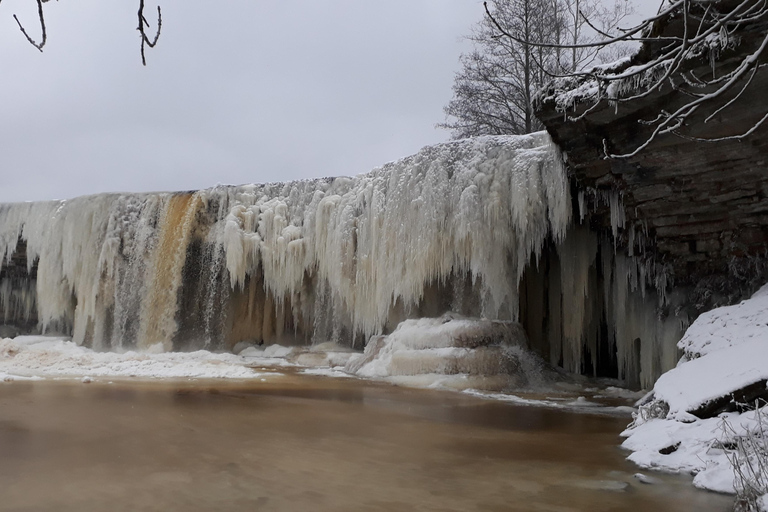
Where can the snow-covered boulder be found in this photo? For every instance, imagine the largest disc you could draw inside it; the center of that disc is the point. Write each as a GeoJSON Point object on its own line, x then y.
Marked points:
{"type": "Point", "coordinates": [690, 421]}
{"type": "Point", "coordinates": [725, 362]}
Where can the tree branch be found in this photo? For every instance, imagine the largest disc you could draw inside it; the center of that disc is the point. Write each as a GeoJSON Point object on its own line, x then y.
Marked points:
{"type": "Point", "coordinates": [41, 18]}
{"type": "Point", "coordinates": [143, 25]}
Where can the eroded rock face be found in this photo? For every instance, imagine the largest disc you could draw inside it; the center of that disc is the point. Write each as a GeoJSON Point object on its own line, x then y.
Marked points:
{"type": "Point", "coordinates": [701, 208]}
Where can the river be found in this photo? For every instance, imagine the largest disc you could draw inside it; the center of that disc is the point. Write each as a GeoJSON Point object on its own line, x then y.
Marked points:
{"type": "Point", "coordinates": [301, 442]}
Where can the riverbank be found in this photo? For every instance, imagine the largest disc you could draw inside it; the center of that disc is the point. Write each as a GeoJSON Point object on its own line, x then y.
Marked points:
{"type": "Point", "coordinates": [708, 415]}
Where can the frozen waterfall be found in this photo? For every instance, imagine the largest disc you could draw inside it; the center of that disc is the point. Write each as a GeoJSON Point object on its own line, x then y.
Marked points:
{"type": "Point", "coordinates": [464, 227]}
{"type": "Point", "coordinates": [337, 258]}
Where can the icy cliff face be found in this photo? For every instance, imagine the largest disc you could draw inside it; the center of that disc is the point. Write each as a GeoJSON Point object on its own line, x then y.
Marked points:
{"type": "Point", "coordinates": [450, 228]}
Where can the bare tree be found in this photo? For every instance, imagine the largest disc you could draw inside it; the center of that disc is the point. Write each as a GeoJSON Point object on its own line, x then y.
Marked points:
{"type": "Point", "coordinates": [146, 40]}
{"type": "Point", "coordinates": [494, 89]}
{"type": "Point", "coordinates": [585, 22]}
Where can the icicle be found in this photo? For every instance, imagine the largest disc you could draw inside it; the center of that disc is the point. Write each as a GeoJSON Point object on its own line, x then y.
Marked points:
{"type": "Point", "coordinates": [343, 253]}
{"type": "Point", "coordinates": [582, 206]}
{"type": "Point", "coordinates": [577, 255]}
{"type": "Point", "coordinates": [375, 240]}
{"type": "Point", "coordinates": [617, 213]}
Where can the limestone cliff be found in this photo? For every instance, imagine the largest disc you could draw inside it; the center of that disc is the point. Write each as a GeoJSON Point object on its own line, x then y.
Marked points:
{"type": "Point", "coordinates": [699, 209]}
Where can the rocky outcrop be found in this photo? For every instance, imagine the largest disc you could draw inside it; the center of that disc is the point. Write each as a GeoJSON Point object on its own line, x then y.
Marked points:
{"type": "Point", "coordinates": [700, 209]}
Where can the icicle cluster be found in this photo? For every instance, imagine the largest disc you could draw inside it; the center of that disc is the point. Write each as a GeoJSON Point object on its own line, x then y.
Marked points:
{"type": "Point", "coordinates": [483, 206]}
{"type": "Point", "coordinates": [606, 301]}
{"type": "Point", "coordinates": [343, 255]}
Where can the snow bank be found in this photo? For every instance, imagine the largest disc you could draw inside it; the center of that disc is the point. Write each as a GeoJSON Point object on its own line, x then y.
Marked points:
{"type": "Point", "coordinates": [724, 350]}
{"type": "Point", "coordinates": [728, 326]}
{"type": "Point", "coordinates": [696, 383]}
{"type": "Point", "coordinates": [27, 357]}
{"type": "Point", "coordinates": [701, 448]}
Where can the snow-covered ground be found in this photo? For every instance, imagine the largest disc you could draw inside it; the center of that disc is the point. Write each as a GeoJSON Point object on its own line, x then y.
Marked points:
{"type": "Point", "coordinates": [724, 350]}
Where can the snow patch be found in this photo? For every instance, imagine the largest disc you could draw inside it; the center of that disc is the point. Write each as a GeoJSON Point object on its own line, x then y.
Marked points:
{"type": "Point", "coordinates": [27, 357]}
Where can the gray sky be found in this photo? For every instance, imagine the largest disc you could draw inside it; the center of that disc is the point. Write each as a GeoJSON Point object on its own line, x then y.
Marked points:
{"type": "Point", "coordinates": [248, 91]}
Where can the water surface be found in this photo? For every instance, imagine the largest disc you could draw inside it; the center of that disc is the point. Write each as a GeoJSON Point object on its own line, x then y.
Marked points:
{"type": "Point", "coordinates": [299, 442]}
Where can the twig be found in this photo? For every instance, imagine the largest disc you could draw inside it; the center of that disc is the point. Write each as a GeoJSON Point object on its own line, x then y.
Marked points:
{"type": "Point", "coordinates": [143, 24]}
{"type": "Point", "coordinates": [40, 16]}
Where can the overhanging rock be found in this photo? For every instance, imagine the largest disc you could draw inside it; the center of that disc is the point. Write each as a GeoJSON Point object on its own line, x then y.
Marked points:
{"type": "Point", "coordinates": [700, 209]}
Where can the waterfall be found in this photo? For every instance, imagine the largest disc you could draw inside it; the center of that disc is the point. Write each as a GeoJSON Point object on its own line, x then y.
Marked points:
{"type": "Point", "coordinates": [347, 256]}
{"type": "Point", "coordinates": [465, 226]}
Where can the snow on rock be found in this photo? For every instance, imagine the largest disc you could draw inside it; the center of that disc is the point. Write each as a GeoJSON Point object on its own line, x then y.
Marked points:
{"type": "Point", "coordinates": [701, 448]}
{"type": "Point", "coordinates": [725, 351]}
{"type": "Point", "coordinates": [694, 384]}
{"type": "Point", "coordinates": [27, 357]}
{"type": "Point", "coordinates": [728, 326]}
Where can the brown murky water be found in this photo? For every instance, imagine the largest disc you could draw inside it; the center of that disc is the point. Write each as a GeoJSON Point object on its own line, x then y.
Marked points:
{"type": "Point", "coordinates": [310, 443]}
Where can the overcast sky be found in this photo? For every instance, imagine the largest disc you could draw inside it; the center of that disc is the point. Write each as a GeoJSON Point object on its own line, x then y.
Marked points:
{"type": "Point", "coordinates": [248, 91]}
{"type": "Point", "coordinates": [236, 91]}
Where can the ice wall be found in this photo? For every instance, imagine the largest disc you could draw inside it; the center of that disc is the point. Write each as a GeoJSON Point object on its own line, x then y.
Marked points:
{"type": "Point", "coordinates": [452, 227]}
{"type": "Point", "coordinates": [591, 308]}
{"type": "Point", "coordinates": [480, 227]}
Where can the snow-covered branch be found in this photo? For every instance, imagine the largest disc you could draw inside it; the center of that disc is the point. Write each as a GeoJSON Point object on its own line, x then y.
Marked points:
{"type": "Point", "coordinates": [704, 54]}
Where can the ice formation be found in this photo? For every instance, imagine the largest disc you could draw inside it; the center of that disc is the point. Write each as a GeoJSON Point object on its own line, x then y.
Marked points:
{"type": "Point", "coordinates": [452, 352]}
{"type": "Point", "coordinates": [451, 227]}
{"type": "Point", "coordinates": [470, 227]}
{"type": "Point", "coordinates": [36, 357]}
{"type": "Point", "coordinates": [587, 307]}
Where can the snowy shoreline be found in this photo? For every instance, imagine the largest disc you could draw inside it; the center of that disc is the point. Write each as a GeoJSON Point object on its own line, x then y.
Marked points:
{"type": "Point", "coordinates": [47, 357]}
{"type": "Point", "coordinates": [688, 423]}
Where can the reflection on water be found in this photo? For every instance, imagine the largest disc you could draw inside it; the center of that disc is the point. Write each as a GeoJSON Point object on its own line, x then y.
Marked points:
{"type": "Point", "coordinates": [309, 443]}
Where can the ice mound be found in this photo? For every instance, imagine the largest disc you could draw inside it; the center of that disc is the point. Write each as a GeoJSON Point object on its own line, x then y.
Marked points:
{"type": "Point", "coordinates": [321, 355]}
{"type": "Point", "coordinates": [452, 352]}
